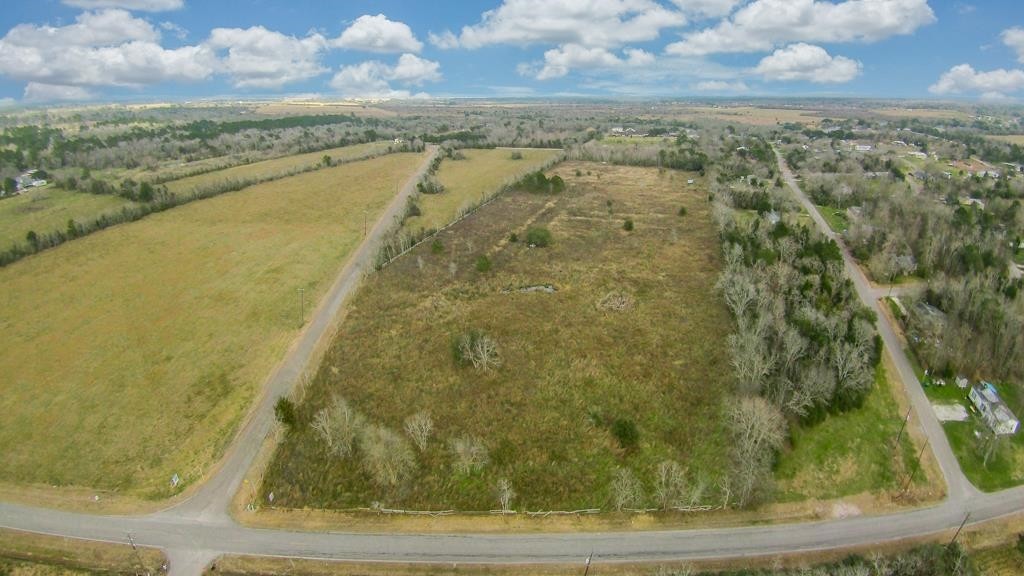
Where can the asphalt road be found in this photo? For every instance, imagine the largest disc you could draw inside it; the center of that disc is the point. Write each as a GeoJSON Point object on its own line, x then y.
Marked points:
{"type": "Point", "coordinates": [199, 530]}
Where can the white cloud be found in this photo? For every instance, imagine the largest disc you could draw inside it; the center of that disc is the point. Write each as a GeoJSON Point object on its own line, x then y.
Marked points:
{"type": "Point", "coordinates": [591, 23]}
{"type": "Point", "coordinates": [764, 24]}
{"type": "Point", "coordinates": [721, 86]}
{"type": "Point", "coordinates": [106, 48]}
{"type": "Point", "coordinates": [260, 58]}
{"type": "Point", "coordinates": [179, 32]}
{"type": "Point", "coordinates": [37, 92]}
{"type": "Point", "coordinates": [559, 61]}
{"type": "Point", "coordinates": [707, 8]}
{"type": "Point", "coordinates": [1014, 38]}
{"type": "Point", "coordinates": [372, 79]}
{"type": "Point", "coordinates": [445, 40]}
{"type": "Point", "coordinates": [7, 102]}
{"type": "Point", "coordinates": [143, 5]}
{"type": "Point", "coordinates": [378, 34]}
{"type": "Point", "coordinates": [808, 63]}
{"type": "Point", "coordinates": [992, 85]}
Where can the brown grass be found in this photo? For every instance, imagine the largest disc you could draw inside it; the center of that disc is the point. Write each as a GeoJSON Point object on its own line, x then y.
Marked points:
{"type": "Point", "coordinates": [569, 368]}
{"type": "Point", "coordinates": [27, 554]}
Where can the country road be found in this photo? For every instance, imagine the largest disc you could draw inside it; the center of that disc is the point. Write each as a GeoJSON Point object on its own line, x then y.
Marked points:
{"type": "Point", "coordinates": [199, 530]}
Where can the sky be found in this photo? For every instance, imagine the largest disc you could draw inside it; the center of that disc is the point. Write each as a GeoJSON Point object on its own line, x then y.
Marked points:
{"type": "Point", "coordinates": [156, 50]}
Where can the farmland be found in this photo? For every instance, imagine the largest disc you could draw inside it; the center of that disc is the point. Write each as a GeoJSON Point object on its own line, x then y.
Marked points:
{"type": "Point", "coordinates": [609, 343]}
{"type": "Point", "coordinates": [277, 167]}
{"type": "Point", "coordinates": [47, 209]}
{"type": "Point", "coordinates": [468, 181]}
{"type": "Point", "coordinates": [132, 354]}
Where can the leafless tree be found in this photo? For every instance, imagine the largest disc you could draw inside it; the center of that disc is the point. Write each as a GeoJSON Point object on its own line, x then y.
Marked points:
{"type": "Point", "coordinates": [751, 360]}
{"type": "Point", "coordinates": [470, 454]}
{"type": "Point", "coordinates": [505, 494]}
{"type": "Point", "coordinates": [480, 350]}
{"type": "Point", "coordinates": [758, 431]}
{"type": "Point", "coordinates": [419, 427]}
{"type": "Point", "coordinates": [627, 492]}
{"type": "Point", "coordinates": [670, 484]}
{"type": "Point", "coordinates": [338, 426]}
{"type": "Point", "coordinates": [387, 456]}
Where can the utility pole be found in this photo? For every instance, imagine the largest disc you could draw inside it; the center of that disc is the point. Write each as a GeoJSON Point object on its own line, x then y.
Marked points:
{"type": "Point", "coordinates": [364, 222]}
{"type": "Point", "coordinates": [914, 471]}
{"type": "Point", "coordinates": [962, 524]}
{"type": "Point", "coordinates": [302, 306]}
{"type": "Point", "coordinates": [138, 559]}
{"type": "Point", "coordinates": [903, 427]}
{"type": "Point", "coordinates": [589, 558]}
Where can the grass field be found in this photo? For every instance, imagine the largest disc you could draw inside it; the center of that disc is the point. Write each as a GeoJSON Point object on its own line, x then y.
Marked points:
{"type": "Point", "coordinates": [848, 453]}
{"type": "Point", "coordinates": [467, 181]}
{"type": "Point", "coordinates": [277, 166]}
{"type": "Point", "coordinates": [1004, 560]}
{"type": "Point", "coordinates": [25, 554]}
{"type": "Point", "coordinates": [131, 354]}
{"type": "Point", "coordinates": [1011, 138]}
{"type": "Point", "coordinates": [754, 115]}
{"type": "Point", "coordinates": [49, 209]}
{"type": "Point", "coordinates": [569, 368]}
{"type": "Point", "coordinates": [835, 217]}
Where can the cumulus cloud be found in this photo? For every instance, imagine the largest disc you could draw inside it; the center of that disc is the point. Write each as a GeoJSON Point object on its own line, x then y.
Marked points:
{"type": "Point", "coordinates": [765, 24]}
{"type": "Point", "coordinates": [372, 79]}
{"type": "Point", "coordinates": [378, 34]}
{"type": "Point", "coordinates": [37, 92]}
{"type": "Point", "coordinates": [992, 85]}
{"type": "Point", "coordinates": [707, 8]}
{"type": "Point", "coordinates": [594, 23]}
{"type": "Point", "coordinates": [7, 102]}
{"type": "Point", "coordinates": [179, 32]}
{"type": "Point", "coordinates": [445, 40]}
{"type": "Point", "coordinates": [259, 58]}
{"type": "Point", "coordinates": [142, 5]}
{"type": "Point", "coordinates": [105, 48]}
{"type": "Point", "coordinates": [559, 61]}
{"type": "Point", "coordinates": [1014, 38]}
{"type": "Point", "coordinates": [808, 63]}
{"type": "Point", "coordinates": [721, 86]}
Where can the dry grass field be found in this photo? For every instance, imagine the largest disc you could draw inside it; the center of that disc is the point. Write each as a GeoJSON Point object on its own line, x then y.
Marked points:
{"type": "Point", "coordinates": [132, 354]}
{"type": "Point", "coordinates": [277, 166]}
{"type": "Point", "coordinates": [752, 115]}
{"type": "Point", "coordinates": [49, 209]}
{"type": "Point", "coordinates": [467, 181]}
{"type": "Point", "coordinates": [571, 365]}
{"type": "Point", "coordinates": [1012, 139]}
{"type": "Point", "coordinates": [25, 554]}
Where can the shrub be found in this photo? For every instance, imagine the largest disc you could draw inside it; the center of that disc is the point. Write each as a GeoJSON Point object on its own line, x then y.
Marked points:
{"type": "Point", "coordinates": [477, 349]}
{"type": "Point", "coordinates": [412, 209]}
{"type": "Point", "coordinates": [483, 264]}
{"type": "Point", "coordinates": [627, 492]}
{"type": "Point", "coordinates": [578, 173]}
{"type": "Point", "coordinates": [538, 236]}
{"type": "Point", "coordinates": [513, 238]}
{"type": "Point", "coordinates": [517, 155]}
{"type": "Point", "coordinates": [419, 427]}
{"type": "Point", "coordinates": [284, 411]}
{"type": "Point", "coordinates": [626, 433]}
{"type": "Point", "coordinates": [338, 426]}
{"type": "Point", "coordinates": [682, 210]}
{"type": "Point", "coordinates": [387, 457]}
{"type": "Point", "coordinates": [436, 247]}
{"type": "Point", "coordinates": [627, 225]}
{"type": "Point", "coordinates": [469, 454]}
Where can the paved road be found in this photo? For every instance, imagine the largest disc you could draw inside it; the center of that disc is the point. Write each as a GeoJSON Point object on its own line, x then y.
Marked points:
{"type": "Point", "coordinates": [199, 530]}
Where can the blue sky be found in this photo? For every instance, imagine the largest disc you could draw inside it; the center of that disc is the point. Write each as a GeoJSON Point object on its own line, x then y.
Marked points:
{"type": "Point", "coordinates": [70, 50]}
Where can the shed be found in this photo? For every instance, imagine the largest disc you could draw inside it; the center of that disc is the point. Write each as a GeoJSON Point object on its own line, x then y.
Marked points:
{"type": "Point", "coordinates": [993, 410]}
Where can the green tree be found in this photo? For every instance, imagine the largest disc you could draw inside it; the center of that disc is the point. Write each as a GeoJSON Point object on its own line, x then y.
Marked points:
{"type": "Point", "coordinates": [10, 185]}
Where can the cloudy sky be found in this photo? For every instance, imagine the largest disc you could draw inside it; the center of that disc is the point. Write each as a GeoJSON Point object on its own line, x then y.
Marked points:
{"type": "Point", "coordinates": [71, 50]}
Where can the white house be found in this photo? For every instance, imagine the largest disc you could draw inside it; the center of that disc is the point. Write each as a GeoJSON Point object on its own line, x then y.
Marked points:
{"type": "Point", "coordinates": [993, 410]}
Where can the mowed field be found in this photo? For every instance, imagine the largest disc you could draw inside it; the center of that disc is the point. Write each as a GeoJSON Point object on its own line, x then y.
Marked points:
{"type": "Point", "coordinates": [131, 355]}
{"type": "Point", "coordinates": [467, 181]}
{"type": "Point", "coordinates": [49, 209]}
{"type": "Point", "coordinates": [570, 367]}
{"type": "Point", "coordinates": [275, 167]}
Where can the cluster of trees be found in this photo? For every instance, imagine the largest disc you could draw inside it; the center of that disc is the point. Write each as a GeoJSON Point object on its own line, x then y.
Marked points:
{"type": "Point", "coordinates": [803, 347]}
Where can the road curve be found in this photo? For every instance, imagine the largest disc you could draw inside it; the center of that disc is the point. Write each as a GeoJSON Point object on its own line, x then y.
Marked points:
{"type": "Point", "coordinates": [199, 530]}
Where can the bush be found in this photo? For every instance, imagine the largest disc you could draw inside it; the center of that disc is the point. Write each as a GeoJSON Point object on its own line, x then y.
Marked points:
{"type": "Point", "coordinates": [513, 238]}
{"type": "Point", "coordinates": [387, 457]}
{"type": "Point", "coordinates": [338, 426]}
{"type": "Point", "coordinates": [477, 349]}
{"type": "Point", "coordinates": [517, 155]}
{"type": "Point", "coordinates": [538, 236]}
{"type": "Point", "coordinates": [284, 411]}
{"type": "Point", "coordinates": [627, 225]}
{"type": "Point", "coordinates": [469, 453]}
{"type": "Point", "coordinates": [682, 210]}
{"type": "Point", "coordinates": [626, 433]}
{"type": "Point", "coordinates": [436, 247]}
{"type": "Point", "coordinates": [483, 264]}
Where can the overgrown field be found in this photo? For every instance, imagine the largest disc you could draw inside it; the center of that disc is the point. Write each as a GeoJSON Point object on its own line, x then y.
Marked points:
{"type": "Point", "coordinates": [469, 180]}
{"type": "Point", "coordinates": [48, 209]}
{"type": "Point", "coordinates": [271, 168]}
{"type": "Point", "coordinates": [130, 355]}
{"type": "Point", "coordinates": [610, 357]}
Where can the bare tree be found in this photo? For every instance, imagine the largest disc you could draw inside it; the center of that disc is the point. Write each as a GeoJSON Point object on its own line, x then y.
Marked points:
{"type": "Point", "coordinates": [470, 454]}
{"type": "Point", "coordinates": [627, 492]}
{"type": "Point", "coordinates": [752, 362]}
{"type": "Point", "coordinates": [670, 484]}
{"type": "Point", "coordinates": [419, 427]}
{"type": "Point", "coordinates": [387, 456]}
{"type": "Point", "coordinates": [505, 494]}
{"type": "Point", "coordinates": [480, 350]}
{"type": "Point", "coordinates": [338, 426]}
{"type": "Point", "coordinates": [758, 431]}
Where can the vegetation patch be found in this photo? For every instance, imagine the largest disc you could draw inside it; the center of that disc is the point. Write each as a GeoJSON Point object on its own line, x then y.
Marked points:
{"type": "Point", "coordinates": [146, 343]}
{"type": "Point", "coordinates": [584, 409]}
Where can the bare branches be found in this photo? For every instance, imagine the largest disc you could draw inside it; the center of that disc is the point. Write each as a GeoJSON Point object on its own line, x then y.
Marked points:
{"type": "Point", "coordinates": [338, 426]}
{"type": "Point", "coordinates": [670, 484]}
{"type": "Point", "coordinates": [419, 427]}
{"type": "Point", "coordinates": [627, 492]}
{"type": "Point", "coordinates": [469, 453]}
{"type": "Point", "coordinates": [387, 457]}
